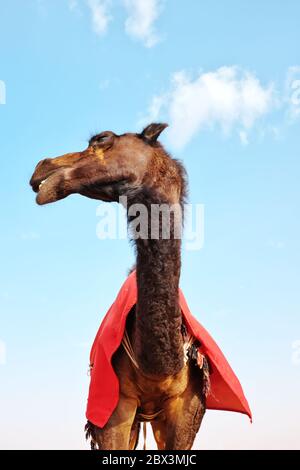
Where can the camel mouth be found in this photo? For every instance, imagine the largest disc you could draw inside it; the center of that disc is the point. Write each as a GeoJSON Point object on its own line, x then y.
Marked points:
{"type": "Point", "coordinates": [49, 186]}
{"type": "Point", "coordinates": [36, 186]}
{"type": "Point", "coordinates": [37, 183]}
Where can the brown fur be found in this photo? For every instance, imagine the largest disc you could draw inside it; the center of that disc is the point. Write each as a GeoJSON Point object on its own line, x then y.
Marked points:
{"type": "Point", "coordinates": [137, 166]}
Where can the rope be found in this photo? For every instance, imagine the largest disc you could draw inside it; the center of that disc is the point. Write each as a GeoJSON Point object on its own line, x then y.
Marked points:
{"type": "Point", "coordinates": [150, 416]}
{"type": "Point", "coordinates": [128, 348]}
{"type": "Point", "coordinates": [147, 417]}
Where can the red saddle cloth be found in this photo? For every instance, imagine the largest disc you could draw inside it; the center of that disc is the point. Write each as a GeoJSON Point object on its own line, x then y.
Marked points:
{"type": "Point", "coordinates": [225, 393]}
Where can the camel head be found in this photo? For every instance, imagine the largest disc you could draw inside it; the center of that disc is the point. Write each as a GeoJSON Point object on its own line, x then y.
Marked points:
{"type": "Point", "coordinates": [111, 166]}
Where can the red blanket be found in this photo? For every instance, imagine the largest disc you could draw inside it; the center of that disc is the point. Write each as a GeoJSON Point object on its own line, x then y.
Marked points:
{"type": "Point", "coordinates": [225, 393]}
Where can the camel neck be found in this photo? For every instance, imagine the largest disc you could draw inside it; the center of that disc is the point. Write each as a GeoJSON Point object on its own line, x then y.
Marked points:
{"type": "Point", "coordinates": [158, 338]}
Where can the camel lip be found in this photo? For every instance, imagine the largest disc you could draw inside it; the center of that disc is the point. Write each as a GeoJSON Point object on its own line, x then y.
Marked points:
{"type": "Point", "coordinates": [36, 184]}
{"type": "Point", "coordinates": [35, 187]}
{"type": "Point", "coordinates": [42, 182]}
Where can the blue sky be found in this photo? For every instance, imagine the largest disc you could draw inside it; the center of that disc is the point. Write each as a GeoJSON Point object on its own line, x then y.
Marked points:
{"type": "Point", "coordinates": [225, 75]}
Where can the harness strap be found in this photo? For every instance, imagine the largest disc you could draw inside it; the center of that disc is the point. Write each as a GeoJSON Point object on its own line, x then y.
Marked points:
{"type": "Point", "coordinates": [128, 348]}
{"type": "Point", "coordinates": [147, 417]}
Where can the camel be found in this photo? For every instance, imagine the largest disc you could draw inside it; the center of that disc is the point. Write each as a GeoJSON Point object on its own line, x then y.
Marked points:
{"type": "Point", "coordinates": [165, 388]}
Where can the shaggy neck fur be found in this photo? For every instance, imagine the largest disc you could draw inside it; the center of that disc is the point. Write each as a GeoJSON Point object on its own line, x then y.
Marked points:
{"type": "Point", "coordinates": [157, 334]}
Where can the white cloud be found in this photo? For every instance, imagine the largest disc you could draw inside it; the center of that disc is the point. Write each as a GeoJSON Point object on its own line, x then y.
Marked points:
{"type": "Point", "coordinates": [229, 98]}
{"type": "Point", "coordinates": [293, 91]}
{"type": "Point", "coordinates": [156, 106]}
{"type": "Point", "coordinates": [141, 19]}
{"type": "Point", "coordinates": [100, 15]}
{"type": "Point", "coordinates": [141, 16]}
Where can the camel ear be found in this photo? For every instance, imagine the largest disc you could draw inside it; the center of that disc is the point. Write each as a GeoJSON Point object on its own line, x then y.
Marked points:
{"type": "Point", "coordinates": [153, 131]}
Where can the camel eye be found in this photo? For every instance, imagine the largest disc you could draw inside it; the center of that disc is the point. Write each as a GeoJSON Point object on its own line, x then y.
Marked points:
{"type": "Point", "coordinates": [100, 139]}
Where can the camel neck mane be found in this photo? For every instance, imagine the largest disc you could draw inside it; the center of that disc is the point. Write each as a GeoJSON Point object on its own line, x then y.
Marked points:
{"type": "Point", "coordinates": [158, 338]}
